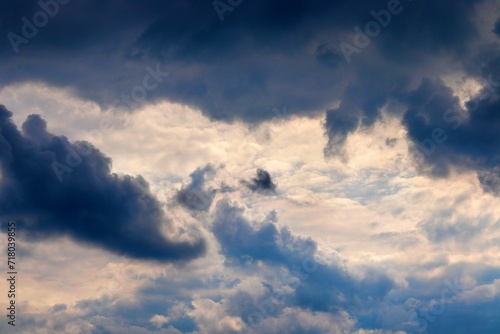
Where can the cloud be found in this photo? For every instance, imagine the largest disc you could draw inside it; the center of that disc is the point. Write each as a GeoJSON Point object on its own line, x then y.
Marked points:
{"type": "Point", "coordinates": [409, 85]}
{"type": "Point", "coordinates": [215, 72]}
{"type": "Point", "coordinates": [194, 196]}
{"type": "Point", "coordinates": [434, 106]}
{"type": "Point", "coordinates": [213, 68]}
{"type": "Point", "coordinates": [490, 180]}
{"type": "Point", "coordinates": [158, 33]}
{"type": "Point", "coordinates": [327, 56]}
{"type": "Point", "coordinates": [391, 142]}
{"type": "Point", "coordinates": [239, 240]}
{"type": "Point", "coordinates": [262, 183]}
{"type": "Point", "coordinates": [446, 136]}
{"type": "Point", "coordinates": [460, 229]}
{"type": "Point", "coordinates": [52, 187]}
{"type": "Point", "coordinates": [496, 29]}
{"type": "Point", "coordinates": [295, 320]}
{"type": "Point", "coordinates": [316, 286]}
{"type": "Point", "coordinates": [402, 241]}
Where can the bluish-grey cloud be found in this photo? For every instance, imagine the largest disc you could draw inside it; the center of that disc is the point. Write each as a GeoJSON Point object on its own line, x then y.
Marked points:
{"type": "Point", "coordinates": [317, 286]}
{"type": "Point", "coordinates": [88, 203]}
{"type": "Point", "coordinates": [262, 182]}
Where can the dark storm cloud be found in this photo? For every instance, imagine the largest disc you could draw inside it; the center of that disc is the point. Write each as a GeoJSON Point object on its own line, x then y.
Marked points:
{"type": "Point", "coordinates": [242, 67]}
{"type": "Point", "coordinates": [445, 135]}
{"type": "Point", "coordinates": [239, 68]}
{"type": "Point", "coordinates": [360, 106]}
{"type": "Point", "coordinates": [86, 201]}
{"type": "Point", "coordinates": [268, 54]}
{"type": "Point", "coordinates": [262, 182]}
{"type": "Point", "coordinates": [400, 55]}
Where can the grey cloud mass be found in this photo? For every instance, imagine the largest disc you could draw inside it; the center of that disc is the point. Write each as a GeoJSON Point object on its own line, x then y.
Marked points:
{"type": "Point", "coordinates": [317, 286]}
{"type": "Point", "coordinates": [243, 66]}
{"type": "Point", "coordinates": [88, 203]}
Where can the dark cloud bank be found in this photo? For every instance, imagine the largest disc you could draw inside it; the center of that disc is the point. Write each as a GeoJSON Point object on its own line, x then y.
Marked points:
{"type": "Point", "coordinates": [89, 203]}
{"type": "Point", "coordinates": [263, 55]}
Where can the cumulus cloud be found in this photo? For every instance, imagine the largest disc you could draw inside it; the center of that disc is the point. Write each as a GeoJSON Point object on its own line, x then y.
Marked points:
{"type": "Point", "coordinates": [53, 187]}
{"type": "Point", "coordinates": [316, 286]}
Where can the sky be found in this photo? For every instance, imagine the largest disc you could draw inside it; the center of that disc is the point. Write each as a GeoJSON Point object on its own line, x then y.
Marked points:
{"type": "Point", "coordinates": [237, 166]}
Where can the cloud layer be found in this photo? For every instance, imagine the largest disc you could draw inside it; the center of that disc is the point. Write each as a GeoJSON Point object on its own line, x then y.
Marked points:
{"type": "Point", "coordinates": [250, 58]}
